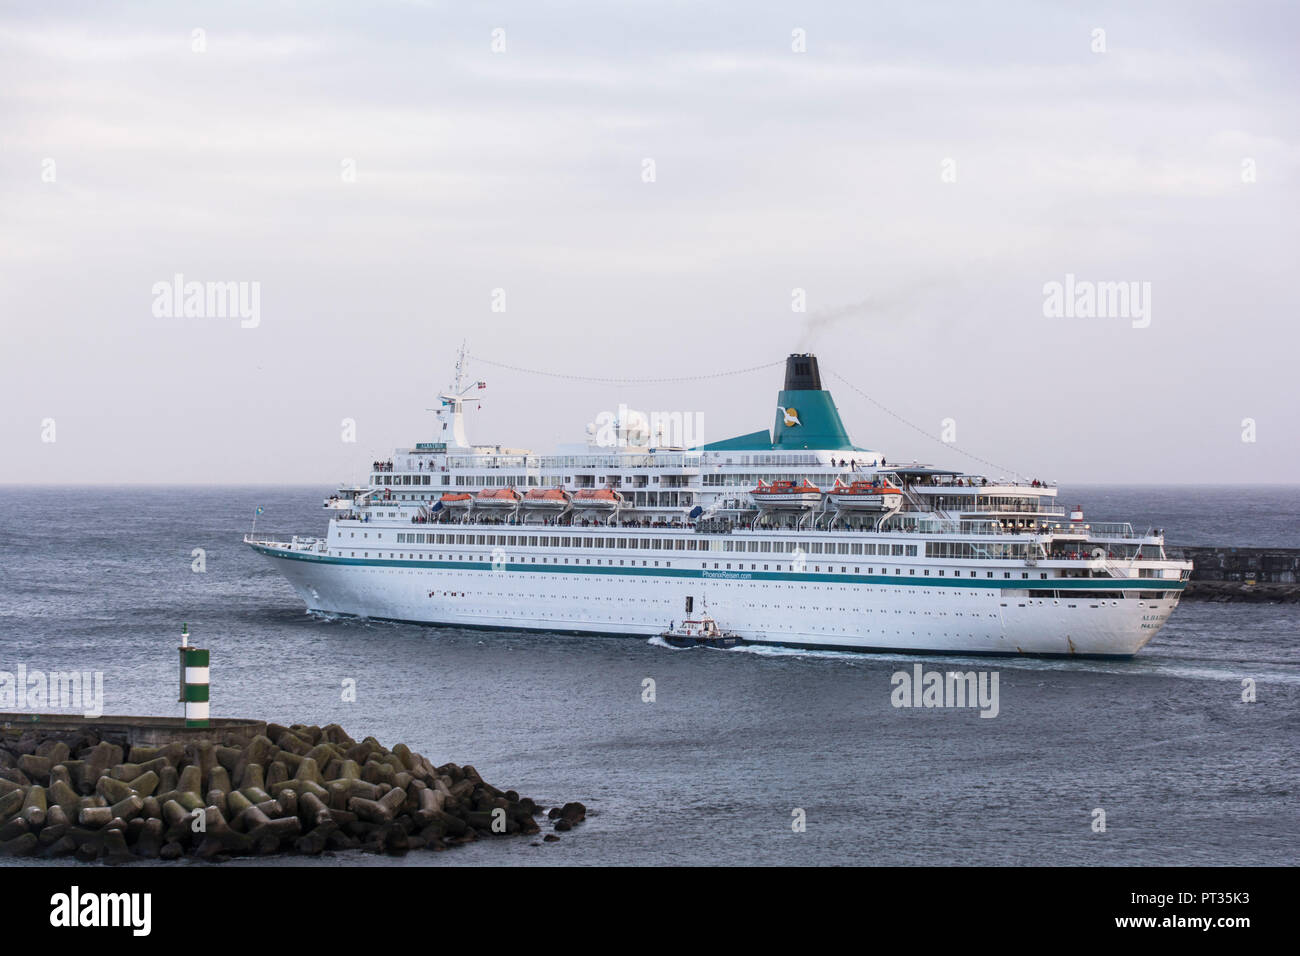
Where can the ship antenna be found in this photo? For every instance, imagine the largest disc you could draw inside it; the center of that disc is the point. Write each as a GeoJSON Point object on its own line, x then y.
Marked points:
{"type": "Point", "coordinates": [452, 401]}
{"type": "Point", "coordinates": [458, 384]}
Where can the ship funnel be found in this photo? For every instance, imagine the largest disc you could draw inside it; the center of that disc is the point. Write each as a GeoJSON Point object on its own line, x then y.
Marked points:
{"type": "Point", "coordinates": [806, 416]}
{"type": "Point", "coordinates": [801, 373]}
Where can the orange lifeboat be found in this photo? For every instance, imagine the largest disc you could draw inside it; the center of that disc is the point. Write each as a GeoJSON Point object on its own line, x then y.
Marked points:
{"type": "Point", "coordinates": [497, 499]}
{"type": "Point", "coordinates": [786, 494]}
{"type": "Point", "coordinates": [456, 501]}
{"type": "Point", "coordinates": [547, 499]}
{"type": "Point", "coordinates": [865, 496]}
{"type": "Point", "coordinates": [597, 499]}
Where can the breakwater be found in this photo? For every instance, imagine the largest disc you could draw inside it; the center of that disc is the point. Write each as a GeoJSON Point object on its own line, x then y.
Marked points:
{"type": "Point", "coordinates": [118, 789]}
{"type": "Point", "coordinates": [1247, 575]}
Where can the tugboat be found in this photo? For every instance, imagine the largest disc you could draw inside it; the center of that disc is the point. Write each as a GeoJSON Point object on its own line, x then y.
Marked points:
{"type": "Point", "coordinates": [702, 631]}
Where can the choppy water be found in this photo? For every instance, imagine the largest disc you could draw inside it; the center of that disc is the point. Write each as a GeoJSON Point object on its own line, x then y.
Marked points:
{"type": "Point", "coordinates": [736, 740]}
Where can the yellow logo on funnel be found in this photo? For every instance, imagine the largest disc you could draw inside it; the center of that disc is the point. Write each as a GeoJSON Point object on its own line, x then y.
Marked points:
{"type": "Point", "coordinates": [791, 416]}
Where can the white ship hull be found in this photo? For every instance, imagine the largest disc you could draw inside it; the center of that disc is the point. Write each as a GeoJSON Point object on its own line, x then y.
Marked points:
{"type": "Point", "coordinates": [809, 611]}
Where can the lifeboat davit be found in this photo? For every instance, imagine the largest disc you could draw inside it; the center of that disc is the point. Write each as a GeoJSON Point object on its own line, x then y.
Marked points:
{"type": "Point", "coordinates": [547, 499]}
{"type": "Point", "coordinates": [865, 496]}
{"type": "Point", "coordinates": [497, 499]}
{"type": "Point", "coordinates": [597, 499]}
{"type": "Point", "coordinates": [786, 495]}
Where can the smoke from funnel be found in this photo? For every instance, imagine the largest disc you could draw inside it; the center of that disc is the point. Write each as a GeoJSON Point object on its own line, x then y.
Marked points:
{"type": "Point", "coordinates": [881, 307]}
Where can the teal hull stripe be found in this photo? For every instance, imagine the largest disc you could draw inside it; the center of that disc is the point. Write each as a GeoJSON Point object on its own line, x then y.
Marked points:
{"type": "Point", "coordinates": [1051, 584]}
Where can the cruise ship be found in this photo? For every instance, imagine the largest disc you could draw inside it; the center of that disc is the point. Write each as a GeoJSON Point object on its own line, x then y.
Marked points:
{"type": "Point", "coordinates": [792, 536]}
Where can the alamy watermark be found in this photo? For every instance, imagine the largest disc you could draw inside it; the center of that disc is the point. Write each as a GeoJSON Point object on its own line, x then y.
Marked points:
{"type": "Point", "coordinates": [1085, 299]}
{"type": "Point", "coordinates": [628, 427]}
{"type": "Point", "coordinates": [179, 299]}
{"type": "Point", "coordinates": [62, 690]}
{"type": "Point", "coordinates": [922, 688]}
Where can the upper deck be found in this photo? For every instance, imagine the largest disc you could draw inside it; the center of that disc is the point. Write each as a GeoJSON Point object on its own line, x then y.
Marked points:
{"type": "Point", "coordinates": [710, 488]}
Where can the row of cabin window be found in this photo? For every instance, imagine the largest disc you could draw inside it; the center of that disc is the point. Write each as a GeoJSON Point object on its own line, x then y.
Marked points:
{"type": "Point", "coordinates": [956, 573]}
{"type": "Point", "coordinates": [654, 544]}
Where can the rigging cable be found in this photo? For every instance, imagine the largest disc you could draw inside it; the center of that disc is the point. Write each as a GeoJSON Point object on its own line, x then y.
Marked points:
{"type": "Point", "coordinates": [918, 428]}
{"type": "Point", "coordinates": [740, 371]}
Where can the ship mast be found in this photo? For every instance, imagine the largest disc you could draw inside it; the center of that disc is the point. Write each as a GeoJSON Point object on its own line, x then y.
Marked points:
{"type": "Point", "coordinates": [452, 404]}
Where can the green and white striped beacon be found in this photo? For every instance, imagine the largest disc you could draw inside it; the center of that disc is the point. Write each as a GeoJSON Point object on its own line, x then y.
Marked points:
{"type": "Point", "coordinates": [194, 681]}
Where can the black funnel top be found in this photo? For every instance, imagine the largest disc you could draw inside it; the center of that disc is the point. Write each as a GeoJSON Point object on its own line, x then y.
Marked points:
{"type": "Point", "coordinates": [801, 373]}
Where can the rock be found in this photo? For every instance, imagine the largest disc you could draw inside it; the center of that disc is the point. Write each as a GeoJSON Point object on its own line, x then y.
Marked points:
{"type": "Point", "coordinates": [218, 779]}
{"type": "Point", "coordinates": [115, 849]}
{"type": "Point", "coordinates": [228, 757]}
{"type": "Point", "coordinates": [293, 743]}
{"type": "Point", "coordinates": [63, 846]}
{"type": "Point", "coordinates": [323, 754]}
{"type": "Point", "coordinates": [98, 762]}
{"type": "Point", "coordinates": [308, 770]}
{"type": "Point", "coordinates": [129, 808]}
{"type": "Point", "coordinates": [216, 798]}
{"type": "Point", "coordinates": [313, 843]}
{"type": "Point", "coordinates": [203, 756]}
{"type": "Point", "coordinates": [168, 777]}
{"type": "Point", "coordinates": [283, 767]}
{"type": "Point", "coordinates": [550, 838]}
{"type": "Point", "coordinates": [150, 841]}
{"type": "Point", "coordinates": [314, 789]}
{"type": "Point", "coordinates": [139, 754]}
{"type": "Point", "coordinates": [56, 750]}
{"type": "Point", "coordinates": [36, 768]}
{"type": "Point", "coordinates": [338, 840]}
{"type": "Point", "coordinates": [191, 780]}
{"type": "Point", "coordinates": [145, 784]}
{"type": "Point", "coordinates": [61, 794]}
{"type": "Point", "coordinates": [346, 770]}
{"type": "Point", "coordinates": [252, 778]}
{"type": "Point", "coordinates": [403, 753]}
{"type": "Point", "coordinates": [190, 801]}
{"type": "Point", "coordinates": [59, 774]}
{"type": "Point", "coordinates": [34, 806]}
{"type": "Point", "coordinates": [336, 735]}
{"type": "Point", "coordinates": [25, 845]}
{"type": "Point", "coordinates": [371, 811]}
{"type": "Point", "coordinates": [313, 811]}
{"type": "Point", "coordinates": [11, 803]}
{"type": "Point", "coordinates": [113, 790]}
{"type": "Point", "coordinates": [56, 816]}
{"type": "Point", "coordinates": [237, 804]}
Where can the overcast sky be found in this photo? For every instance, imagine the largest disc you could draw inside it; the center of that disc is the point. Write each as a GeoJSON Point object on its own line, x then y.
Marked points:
{"type": "Point", "coordinates": [921, 171]}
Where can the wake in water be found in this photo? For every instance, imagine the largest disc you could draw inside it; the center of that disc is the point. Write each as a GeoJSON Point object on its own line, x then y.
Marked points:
{"type": "Point", "coordinates": [1148, 666]}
